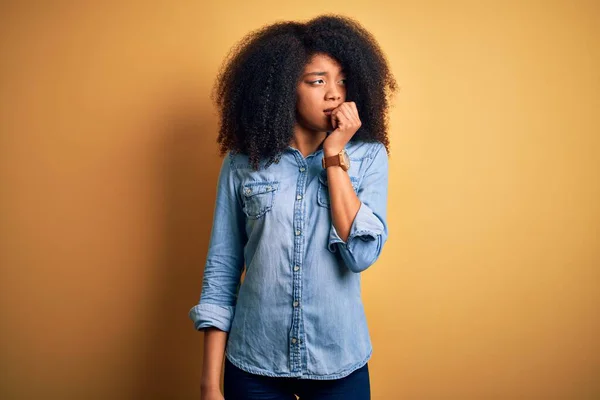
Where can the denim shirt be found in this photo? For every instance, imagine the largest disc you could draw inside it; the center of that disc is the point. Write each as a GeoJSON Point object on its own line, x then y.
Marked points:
{"type": "Point", "coordinates": [298, 311]}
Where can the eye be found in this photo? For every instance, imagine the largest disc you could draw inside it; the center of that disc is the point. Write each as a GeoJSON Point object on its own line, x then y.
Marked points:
{"type": "Point", "coordinates": [318, 80]}
{"type": "Point", "coordinates": [343, 81]}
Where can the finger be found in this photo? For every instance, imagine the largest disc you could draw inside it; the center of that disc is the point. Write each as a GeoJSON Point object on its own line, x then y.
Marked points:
{"type": "Point", "coordinates": [353, 104]}
{"type": "Point", "coordinates": [353, 112]}
{"type": "Point", "coordinates": [348, 114]}
{"type": "Point", "coordinates": [337, 116]}
{"type": "Point", "coordinates": [344, 112]}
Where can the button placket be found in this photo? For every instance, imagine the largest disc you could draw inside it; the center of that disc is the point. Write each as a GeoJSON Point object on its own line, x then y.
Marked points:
{"type": "Point", "coordinates": [296, 331]}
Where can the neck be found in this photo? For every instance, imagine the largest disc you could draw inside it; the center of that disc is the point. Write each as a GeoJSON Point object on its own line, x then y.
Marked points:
{"type": "Point", "coordinates": [306, 140]}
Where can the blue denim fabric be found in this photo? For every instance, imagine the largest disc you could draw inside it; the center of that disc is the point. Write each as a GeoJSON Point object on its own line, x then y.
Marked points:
{"type": "Point", "coordinates": [298, 312]}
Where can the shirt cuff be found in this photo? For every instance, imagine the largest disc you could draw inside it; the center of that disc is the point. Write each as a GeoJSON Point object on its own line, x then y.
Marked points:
{"type": "Point", "coordinates": [366, 226]}
{"type": "Point", "coordinates": [212, 315]}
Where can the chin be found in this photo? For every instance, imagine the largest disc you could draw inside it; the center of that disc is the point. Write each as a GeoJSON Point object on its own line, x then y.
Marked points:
{"type": "Point", "coordinates": [321, 127]}
{"type": "Point", "coordinates": [326, 126]}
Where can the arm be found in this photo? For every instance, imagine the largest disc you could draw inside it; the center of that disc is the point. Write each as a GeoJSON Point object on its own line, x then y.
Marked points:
{"type": "Point", "coordinates": [359, 228]}
{"type": "Point", "coordinates": [214, 349]}
{"type": "Point", "coordinates": [224, 265]}
{"type": "Point", "coordinates": [344, 201]}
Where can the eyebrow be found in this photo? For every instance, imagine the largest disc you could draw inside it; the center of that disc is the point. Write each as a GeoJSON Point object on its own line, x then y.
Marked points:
{"type": "Point", "coordinates": [321, 73]}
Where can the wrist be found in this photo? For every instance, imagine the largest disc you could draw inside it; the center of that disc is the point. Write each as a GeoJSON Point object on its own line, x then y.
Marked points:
{"type": "Point", "coordinates": [332, 151]}
{"type": "Point", "coordinates": [210, 385]}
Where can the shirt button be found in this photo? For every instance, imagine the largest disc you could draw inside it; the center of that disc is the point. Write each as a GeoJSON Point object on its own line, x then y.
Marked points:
{"type": "Point", "coordinates": [296, 268]}
{"type": "Point", "coordinates": [293, 340]}
{"type": "Point", "coordinates": [298, 233]}
{"type": "Point", "coordinates": [302, 169]}
{"type": "Point", "coordinates": [295, 304]}
{"type": "Point", "coordinates": [268, 187]}
{"type": "Point", "coordinates": [299, 197]}
{"type": "Point", "coordinates": [248, 191]}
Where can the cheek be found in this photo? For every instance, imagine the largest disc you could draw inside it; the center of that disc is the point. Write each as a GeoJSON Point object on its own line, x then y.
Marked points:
{"type": "Point", "coordinates": [306, 106]}
{"type": "Point", "coordinates": [301, 111]}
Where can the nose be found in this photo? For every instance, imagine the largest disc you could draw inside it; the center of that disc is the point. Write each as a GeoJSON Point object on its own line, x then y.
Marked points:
{"type": "Point", "coordinates": [333, 93]}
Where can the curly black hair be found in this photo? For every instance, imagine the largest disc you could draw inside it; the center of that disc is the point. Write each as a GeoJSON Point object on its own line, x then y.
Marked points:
{"type": "Point", "coordinates": [255, 90]}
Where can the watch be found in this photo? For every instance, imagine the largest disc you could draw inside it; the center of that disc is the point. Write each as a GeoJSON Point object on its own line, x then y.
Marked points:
{"type": "Point", "coordinates": [340, 159]}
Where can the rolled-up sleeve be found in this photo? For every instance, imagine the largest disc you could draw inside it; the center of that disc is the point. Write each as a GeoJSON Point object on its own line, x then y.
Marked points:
{"type": "Point", "coordinates": [225, 257]}
{"type": "Point", "coordinates": [368, 232]}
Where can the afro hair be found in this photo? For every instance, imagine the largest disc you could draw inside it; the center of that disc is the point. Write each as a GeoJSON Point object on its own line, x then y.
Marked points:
{"type": "Point", "coordinates": [255, 90]}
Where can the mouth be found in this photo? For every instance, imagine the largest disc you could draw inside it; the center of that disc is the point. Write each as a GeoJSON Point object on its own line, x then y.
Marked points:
{"type": "Point", "coordinates": [328, 111]}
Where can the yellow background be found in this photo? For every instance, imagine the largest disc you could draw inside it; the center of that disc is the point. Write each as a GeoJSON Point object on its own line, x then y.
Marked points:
{"type": "Point", "coordinates": [488, 287]}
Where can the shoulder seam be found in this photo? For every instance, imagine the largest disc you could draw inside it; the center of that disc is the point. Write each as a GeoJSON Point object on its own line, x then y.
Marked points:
{"type": "Point", "coordinates": [375, 149]}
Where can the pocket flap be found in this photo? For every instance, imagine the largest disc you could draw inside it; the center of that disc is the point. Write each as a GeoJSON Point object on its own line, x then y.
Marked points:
{"type": "Point", "coordinates": [254, 188]}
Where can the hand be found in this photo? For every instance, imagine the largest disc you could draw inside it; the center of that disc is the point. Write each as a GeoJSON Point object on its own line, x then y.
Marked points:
{"type": "Point", "coordinates": [211, 394]}
{"type": "Point", "coordinates": [345, 121]}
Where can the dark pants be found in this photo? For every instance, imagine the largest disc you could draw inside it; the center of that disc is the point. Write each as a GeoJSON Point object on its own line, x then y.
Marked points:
{"type": "Point", "coordinates": [241, 385]}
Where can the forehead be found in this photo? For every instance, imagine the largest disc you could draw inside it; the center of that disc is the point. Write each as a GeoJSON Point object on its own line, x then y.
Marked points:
{"type": "Point", "coordinates": [322, 62]}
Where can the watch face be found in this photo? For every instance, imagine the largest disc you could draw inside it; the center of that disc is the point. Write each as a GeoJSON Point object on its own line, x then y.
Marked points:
{"type": "Point", "coordinates": [346, 160]}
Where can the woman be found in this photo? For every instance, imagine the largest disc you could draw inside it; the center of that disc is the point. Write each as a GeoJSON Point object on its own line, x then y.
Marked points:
{"type": "Point", "coordinates": [301, 204]}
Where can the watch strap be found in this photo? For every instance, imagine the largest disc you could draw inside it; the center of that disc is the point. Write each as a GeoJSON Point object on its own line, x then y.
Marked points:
{"type": "Point", "coordinates": [336, 160]}
{"type": "Point", "coordinates": [332, 161]}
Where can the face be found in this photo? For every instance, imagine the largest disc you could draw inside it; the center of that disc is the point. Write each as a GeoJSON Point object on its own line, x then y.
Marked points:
{"type": "Point", "coordinates": [321, 87]}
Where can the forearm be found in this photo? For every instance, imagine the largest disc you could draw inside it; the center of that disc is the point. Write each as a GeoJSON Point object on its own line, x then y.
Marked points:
{"type": "Point", "coordinates": [214, 351]}
{"type": "Point", "coordinates": [358, 229]}
{"type": "Point", "coordinates": [344, 202]}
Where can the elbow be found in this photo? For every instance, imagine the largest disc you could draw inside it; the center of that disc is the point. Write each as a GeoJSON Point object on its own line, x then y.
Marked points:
{"type": "Point", "coordinates": [206, 315]}
{"type": "Point", "coordinates": [361, 264]}
{"type": "Point", "coordinates": [359, 256]}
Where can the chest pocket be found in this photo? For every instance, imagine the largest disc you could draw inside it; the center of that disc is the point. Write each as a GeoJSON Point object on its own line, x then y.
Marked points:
{"type": "Point", "coordinates": [323, 192]}
{"type": "Point", "coordinates": [258, 198]}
